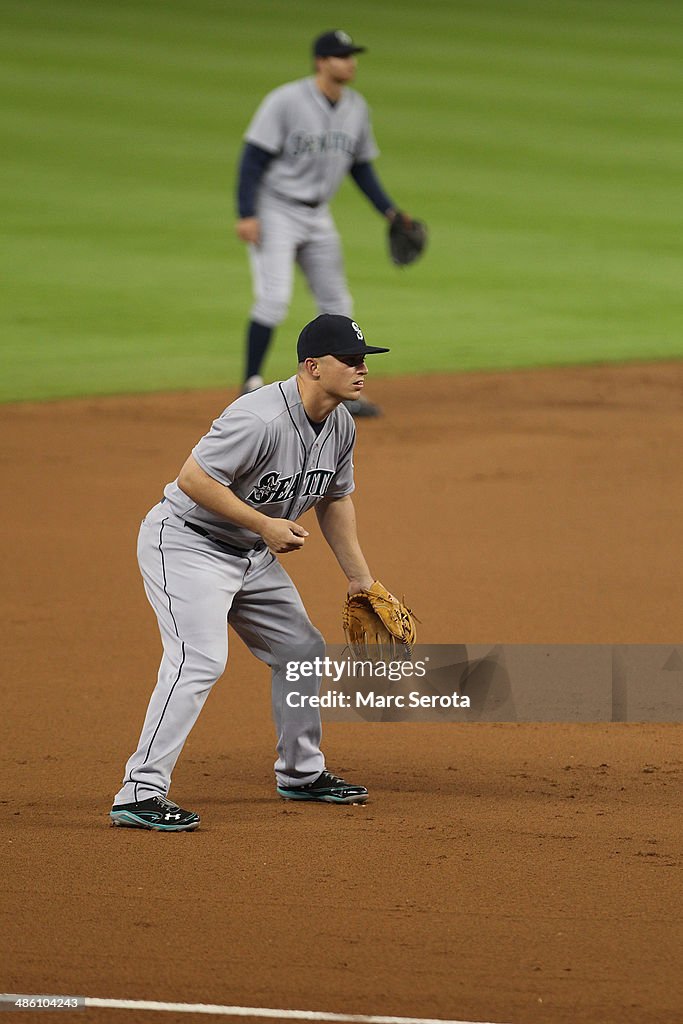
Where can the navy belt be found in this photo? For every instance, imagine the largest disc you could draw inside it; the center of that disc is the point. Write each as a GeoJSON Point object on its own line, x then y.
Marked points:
{"type": "Point", "coordinates": [239, 553]}
{"type": "Point", "coordinates": [297, 202]}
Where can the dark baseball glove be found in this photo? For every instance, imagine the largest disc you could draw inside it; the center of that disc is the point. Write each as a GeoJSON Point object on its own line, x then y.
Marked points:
{"type": "Point", "coordinates": [407, 239]}
{"type": "Point", "coordinates": [377, 625]}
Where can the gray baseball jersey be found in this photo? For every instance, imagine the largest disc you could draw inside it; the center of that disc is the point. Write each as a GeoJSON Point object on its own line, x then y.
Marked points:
{"type": "Point", "coordinates": [264, 448]}
{"type": "Point", "coordinates": [316, 143]}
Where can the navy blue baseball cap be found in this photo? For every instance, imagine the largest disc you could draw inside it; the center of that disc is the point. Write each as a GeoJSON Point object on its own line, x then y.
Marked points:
{"type": "Point", "coordinates": [335, 44]}
{"type": "Point", "coordinates": [331, 334]}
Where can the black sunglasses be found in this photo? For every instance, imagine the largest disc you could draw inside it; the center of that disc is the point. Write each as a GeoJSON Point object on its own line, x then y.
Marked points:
{"type": "Point", "coordinates": [351, 360]}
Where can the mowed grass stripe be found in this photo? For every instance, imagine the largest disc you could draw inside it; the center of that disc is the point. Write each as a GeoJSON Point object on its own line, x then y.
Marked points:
{"type": "Point", "coordinates": [539, 140]}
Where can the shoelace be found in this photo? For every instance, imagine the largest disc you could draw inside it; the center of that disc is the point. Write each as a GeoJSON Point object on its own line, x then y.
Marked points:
{"type": "Point", "coordinates": [333, 778]}
{"type": "Point", "coordinates": [166, 803]}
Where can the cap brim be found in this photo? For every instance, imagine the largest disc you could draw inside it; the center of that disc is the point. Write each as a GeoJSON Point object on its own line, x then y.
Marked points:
{"type": "Point", "coordinates": [367, 351]}
{"type": "Point", "coordinates": [346, 52]}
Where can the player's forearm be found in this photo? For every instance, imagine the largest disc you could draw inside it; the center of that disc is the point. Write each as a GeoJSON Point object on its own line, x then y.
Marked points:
{"type": "Point", "coordinates": [338, 524]}
{"type": "Point", "coordinates": [214, 497]}
{"type": "Point", "coordinates": [367, 181]}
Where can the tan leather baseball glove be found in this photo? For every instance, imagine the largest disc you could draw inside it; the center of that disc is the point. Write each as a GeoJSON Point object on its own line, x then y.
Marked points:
{"type": "Point", "coordinates": [377, 625]}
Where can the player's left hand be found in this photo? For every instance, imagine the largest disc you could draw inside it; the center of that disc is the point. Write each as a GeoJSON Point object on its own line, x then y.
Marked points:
{"type": "Point", "coordinates": [407, 238]}
{"type": "Point", "coordinates": [359, 584]}
{"type": "Point", "coordinates": [407, 220]}
{"type": "Point", "coordinates": [375, 621]}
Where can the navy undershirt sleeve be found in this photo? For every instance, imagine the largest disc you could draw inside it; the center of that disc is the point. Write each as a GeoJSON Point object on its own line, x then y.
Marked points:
{"type": "Point", "coordinates": [253, 164]}
{"type": "Point", "coordinates": [368, 182]}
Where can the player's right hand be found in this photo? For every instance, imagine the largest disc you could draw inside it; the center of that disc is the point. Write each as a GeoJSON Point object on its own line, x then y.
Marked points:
{"type": "Point", "coordinates": [282, 535]}
{"type": "Point", "coordinates": [248, 229]}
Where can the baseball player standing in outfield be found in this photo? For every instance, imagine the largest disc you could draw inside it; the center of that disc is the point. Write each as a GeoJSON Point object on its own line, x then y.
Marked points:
{"type": "Point", "coordinates": [302, 141]}
{"type": "Point", "coordinates": [207, 555]}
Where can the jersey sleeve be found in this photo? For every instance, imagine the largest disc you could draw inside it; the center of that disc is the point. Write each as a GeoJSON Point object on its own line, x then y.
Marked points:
{"type": "Point", "coordinates": [367, 148]}
{"type": "Point", "coordinates": [342, 483]}
{"type": "Point", "coordinates": [268, 126]}
{"type": "Point", "coordinates": [253, 165]}
{"type": "Point", "coordinates": [236, 442]}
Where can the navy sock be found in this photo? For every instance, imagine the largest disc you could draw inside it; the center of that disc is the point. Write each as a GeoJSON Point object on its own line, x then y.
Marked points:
{"type": "Point", "coordinates": [258, 340]}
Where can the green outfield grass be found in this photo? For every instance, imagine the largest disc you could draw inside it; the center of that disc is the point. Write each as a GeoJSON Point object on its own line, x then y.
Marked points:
{"type": "Point", "coordinates": [540, 139]}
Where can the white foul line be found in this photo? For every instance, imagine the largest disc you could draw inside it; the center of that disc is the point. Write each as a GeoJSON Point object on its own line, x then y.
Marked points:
{"type": "Point", "coordinates": [236, 1011]}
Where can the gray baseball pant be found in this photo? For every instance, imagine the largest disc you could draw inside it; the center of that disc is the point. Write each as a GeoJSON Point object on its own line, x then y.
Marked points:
{"type": "Point", "coordinates": [196, 588]}
{"type": "Point", "coordinates": [293, 233]}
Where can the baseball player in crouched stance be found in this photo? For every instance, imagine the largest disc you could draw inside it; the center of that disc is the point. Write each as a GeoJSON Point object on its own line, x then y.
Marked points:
{"type": "Point", "coordinates": [207, 553]}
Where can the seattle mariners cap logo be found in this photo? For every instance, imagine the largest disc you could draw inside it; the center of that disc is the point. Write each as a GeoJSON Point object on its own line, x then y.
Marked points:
{"type": "Point", "coordinates": [331, 334]}
{"type": "Point", "coordinates": [335, 44]}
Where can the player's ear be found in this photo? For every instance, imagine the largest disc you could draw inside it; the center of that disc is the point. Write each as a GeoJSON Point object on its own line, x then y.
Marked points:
{"type": "Point", "coordinates": [313, 368]}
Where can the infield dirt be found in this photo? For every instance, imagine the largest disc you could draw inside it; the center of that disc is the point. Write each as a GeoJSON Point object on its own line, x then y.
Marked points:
{"type": "Point", "coordinates": [510, 873]}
